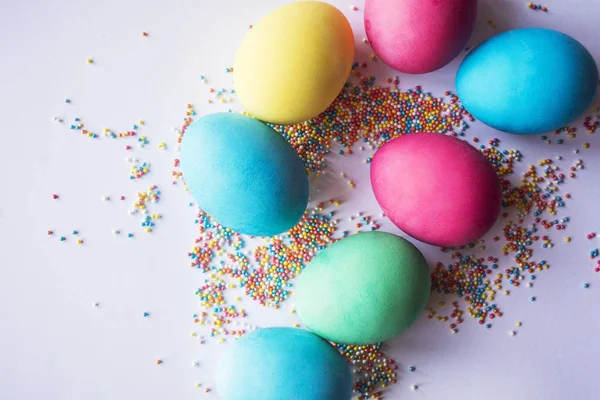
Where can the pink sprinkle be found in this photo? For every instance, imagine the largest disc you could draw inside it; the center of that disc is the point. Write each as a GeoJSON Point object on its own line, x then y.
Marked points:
{"type": "Point", "coordinates": [55, 196]}
{"type": "Point", "coordinates": [127, 147]}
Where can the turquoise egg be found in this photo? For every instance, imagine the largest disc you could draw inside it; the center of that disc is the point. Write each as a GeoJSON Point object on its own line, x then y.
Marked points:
{"type": "Point", "coordinates": [282, 363]}
{"type": "Point", "coordinates": [244, 174]}
{"type": "Point", "coordinates": [528, 81]}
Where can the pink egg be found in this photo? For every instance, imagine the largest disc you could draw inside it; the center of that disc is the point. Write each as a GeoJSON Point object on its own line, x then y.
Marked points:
{"type": "Point", "coordinates": [419, 36]}
{"type": "Point", "coordinates": [436, 188]}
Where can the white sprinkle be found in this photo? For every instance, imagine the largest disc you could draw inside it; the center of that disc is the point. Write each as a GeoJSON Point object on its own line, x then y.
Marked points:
{"type": "Point", "coordinates": [96, 304]}
{"type": "Point", "coordinates": [105, 198]}
{"type": "Point", "coordinates": [414, 387]}
{"type": "Point", "coordinates": [512, 333]}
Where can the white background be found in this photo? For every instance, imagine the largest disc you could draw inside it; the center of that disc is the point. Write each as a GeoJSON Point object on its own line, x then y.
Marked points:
{"type": "Point", "coordinates": [54, 344]}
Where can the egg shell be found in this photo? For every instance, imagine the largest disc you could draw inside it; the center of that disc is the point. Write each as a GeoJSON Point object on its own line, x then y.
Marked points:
{"type": "Point", "coordinates": [436, 188]}
{"type": "Point", "coordinates": [282, 363]}
{"type": "Point", "coordinates": [419, 36]}
{"type": "Point", "coordinates": [294, 62]}
{"type": "Point", "coordinates": [528, 81]}
{"type": "Point", "coordinates": [244, 174]}
{"type": "Point", "coordinates": [363, 289]}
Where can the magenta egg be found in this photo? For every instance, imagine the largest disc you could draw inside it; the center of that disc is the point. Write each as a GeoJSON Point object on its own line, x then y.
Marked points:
{"type": "Point", "coordinates": [419, 36]}
{"type": "Point", "coordinates": [436, 188]}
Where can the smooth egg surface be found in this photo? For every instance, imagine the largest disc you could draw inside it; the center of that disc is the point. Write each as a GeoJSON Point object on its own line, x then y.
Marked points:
{"type": "Point", "coordinates": [528, 81]}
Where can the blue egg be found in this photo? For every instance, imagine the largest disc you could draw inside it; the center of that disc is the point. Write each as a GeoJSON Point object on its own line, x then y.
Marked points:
{"type": "Point", "coordinates": [244, 174]}
{"type": "Point", "coordinates": [528, 81]}
{"type": "Point", "coordinates": [282, 363]}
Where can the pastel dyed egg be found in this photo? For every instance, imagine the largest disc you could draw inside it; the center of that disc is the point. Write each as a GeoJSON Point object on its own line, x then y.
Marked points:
{"type": "Point", "coordinates": [364, 289]}
{"type": "Point", "coordinates": [244, 174]}
{"type": "Point", "coordinates": [294, 62]}
{"type": "Point", "coordinates": [416, 36]}
{"type": "Point", "coordinates": [528, 81]}
{"type": "Point", "coordinates": [436, 188]}
{"type": "Point", "coordinates": [282, 363]}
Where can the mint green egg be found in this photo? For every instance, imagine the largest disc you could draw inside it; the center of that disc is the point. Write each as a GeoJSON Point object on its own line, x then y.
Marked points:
{"type": "Point", "coordinates": [364, 289]}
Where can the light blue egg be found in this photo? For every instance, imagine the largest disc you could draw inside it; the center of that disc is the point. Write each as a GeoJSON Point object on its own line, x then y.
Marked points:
{"type": "Point", "coordinates": [527, 81]}
{"type": "Point", "coordinates": [244, 174]}
{"type": "Point", "coordinates": [282, 364]}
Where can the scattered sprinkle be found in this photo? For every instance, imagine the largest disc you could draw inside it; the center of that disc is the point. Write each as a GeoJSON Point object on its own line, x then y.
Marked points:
{"type": "Point", "coordinates": [138, 169]}
{"type": "Point", "coordinates": [537, 7]}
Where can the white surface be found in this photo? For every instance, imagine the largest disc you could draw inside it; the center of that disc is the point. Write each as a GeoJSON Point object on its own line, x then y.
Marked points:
{"type": "Point", "coordinates": [56, 345]}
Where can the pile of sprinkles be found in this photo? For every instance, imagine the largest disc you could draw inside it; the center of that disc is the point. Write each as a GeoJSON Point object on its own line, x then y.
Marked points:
{"type": "Point", "coordinates": [477, 280]}
{"type": "Point", "coordinates": [364, 112]}
{"type": "Point", "coordinates": [140, 205]}
{"type": "Point", "coordinates": [216, 313]}
{"type": "Point", "coordinates": [138, 169]}
{"type": "Point", "coordinates": [373, 371]}
{"type": "Point", "coordinates": [264, 273]}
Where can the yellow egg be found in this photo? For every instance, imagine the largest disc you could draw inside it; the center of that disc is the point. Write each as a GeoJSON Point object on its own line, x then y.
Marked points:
{"type": "Point", "coordinates": [294, 62]}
